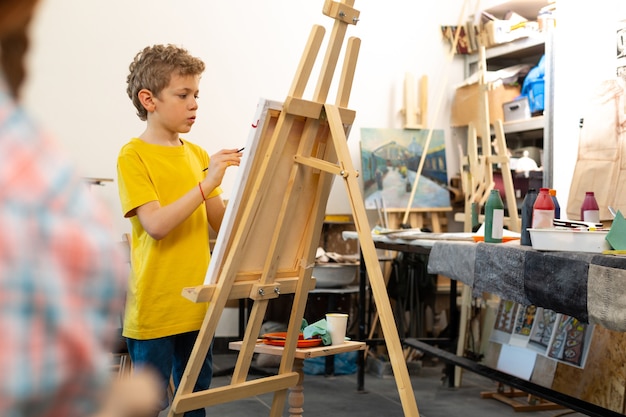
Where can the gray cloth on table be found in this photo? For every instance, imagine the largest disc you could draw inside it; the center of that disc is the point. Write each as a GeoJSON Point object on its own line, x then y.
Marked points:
{"type": "Point", "coordinates": [605, 297]}
{"type": "Point", "coordinates": [558, 281]}
{"type": "Point", "coordinates": [454, 260]}
{"type": "Point", "coordinates": [500, 269]}
{"type": "Point", "coordinates": [588, 286]}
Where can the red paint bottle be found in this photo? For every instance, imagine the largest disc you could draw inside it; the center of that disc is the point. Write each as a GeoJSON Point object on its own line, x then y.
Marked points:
{"type": "Point", "coordinates": [589, 211]}
{"type": "Point", "coordinates": [543, 210]}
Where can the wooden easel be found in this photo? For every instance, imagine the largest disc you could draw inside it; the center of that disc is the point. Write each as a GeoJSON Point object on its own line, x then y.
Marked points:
{"type": "Point", "coordinates": [273, 224]}
{"type": "Point", "coordinates": [477, 175]}
{"type": "Point", "coordinates": [435, 217]}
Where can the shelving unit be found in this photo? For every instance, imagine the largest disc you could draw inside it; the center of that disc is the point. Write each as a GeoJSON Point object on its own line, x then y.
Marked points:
{"type": "Point", "coordinates": [527, 132]}
{"type": "Point", "coordinates": [533, 134]}
{"type": "Point", "coordinates": [536, 131]}
{"type": "Point", "coordinates": [520, 51]}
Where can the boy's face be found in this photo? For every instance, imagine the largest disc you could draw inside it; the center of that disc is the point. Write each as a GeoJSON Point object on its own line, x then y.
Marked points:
{"type": "Point", "coordinates": [175, 107]}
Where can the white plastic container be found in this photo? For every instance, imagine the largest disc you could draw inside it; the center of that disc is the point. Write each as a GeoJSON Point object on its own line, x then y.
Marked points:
{"type": "Point", "coordinates": [334, 275]}
{"type": "Point", "coordinates": [574, 240]}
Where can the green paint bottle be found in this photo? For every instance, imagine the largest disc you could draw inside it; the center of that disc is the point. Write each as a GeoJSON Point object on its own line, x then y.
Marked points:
{"type": "Point", "coordinates": [494, 218]}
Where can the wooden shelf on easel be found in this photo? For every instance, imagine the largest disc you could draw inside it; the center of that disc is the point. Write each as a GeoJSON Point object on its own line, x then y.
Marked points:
{"type": "Point", "coordinates": [419, 217]}
{"type": "Point", "coordinates": [510, 396]}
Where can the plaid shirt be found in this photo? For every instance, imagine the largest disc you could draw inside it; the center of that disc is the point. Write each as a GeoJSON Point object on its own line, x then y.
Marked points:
{"type": "Point", "coordinates": [61, 278]}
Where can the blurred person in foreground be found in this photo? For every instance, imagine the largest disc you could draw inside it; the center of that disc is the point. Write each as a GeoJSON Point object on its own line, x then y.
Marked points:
{"type": "Point", "coordinates": [61, 271]}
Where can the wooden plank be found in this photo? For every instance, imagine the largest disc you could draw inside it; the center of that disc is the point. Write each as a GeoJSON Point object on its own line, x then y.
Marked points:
{"type": "Point", "coordinates": [532, 404]}
{"type": "Point", "coordinates": [307, 61]}
{"type": "Point", "coordinates": [377, 282]}
{"type": "Point", "coordinates": [240, 289]}
{"type": "Point", "coordinates": [341, 11]}
{"type": "Point", "coordinates": [330, 59]}
{"type": "Point", "coordinates": [303, 353]}
{"type": "Point", "coordinates": [347, 75]}
{"type": "Point", "coordinates": [421, 210]}
{"type": "Point", "coordinates": [305, 108]}
{"type": "Point", "coordinates": [228, 393]}
{"type": "Point", "coordinates": [602, 380]}
{"type": "Point", "coordinates": [515, 223]}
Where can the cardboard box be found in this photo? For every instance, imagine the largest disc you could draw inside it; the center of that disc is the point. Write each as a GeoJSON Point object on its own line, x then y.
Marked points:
{"type": "Point", "coordinates": [466, 103]}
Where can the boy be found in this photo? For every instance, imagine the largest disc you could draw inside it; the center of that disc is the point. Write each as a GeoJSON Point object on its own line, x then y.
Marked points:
{"type": "Point", "coordinates": [170, 190]}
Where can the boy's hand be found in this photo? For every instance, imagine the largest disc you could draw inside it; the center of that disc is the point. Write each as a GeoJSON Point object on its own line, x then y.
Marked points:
{"type": "Point", "coordinates": [219, 162]}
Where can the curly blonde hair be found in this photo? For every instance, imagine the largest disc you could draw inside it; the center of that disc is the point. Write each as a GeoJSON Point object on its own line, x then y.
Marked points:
{"type": "Point", "coordinates": [152, 69]}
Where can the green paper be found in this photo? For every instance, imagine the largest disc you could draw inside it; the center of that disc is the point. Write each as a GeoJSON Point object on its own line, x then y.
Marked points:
{"type": "Point", "coordinates": [617, 235]}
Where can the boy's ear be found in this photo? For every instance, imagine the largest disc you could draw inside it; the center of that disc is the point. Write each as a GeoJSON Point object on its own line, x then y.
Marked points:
{"type": "Point", "coordinates": [147, 99]}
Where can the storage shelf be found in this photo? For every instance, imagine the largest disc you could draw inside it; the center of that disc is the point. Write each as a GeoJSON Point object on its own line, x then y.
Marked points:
{"type": "Point", "coordinates": [532, 45]}
{"type": "Point", "coordinates": [534, 132]}
{"type": "Point", "coordinates": [525, 125]}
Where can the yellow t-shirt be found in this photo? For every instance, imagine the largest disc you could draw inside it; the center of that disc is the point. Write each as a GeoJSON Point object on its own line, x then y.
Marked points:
{"type": "Point", "coordinates": [161, 269]}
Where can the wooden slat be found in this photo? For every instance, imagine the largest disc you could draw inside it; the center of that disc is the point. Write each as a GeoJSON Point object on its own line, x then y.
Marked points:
{"type": "Point", "coordinates": [303, 353]}
{"type": "Point", "coordinates": [377, 282]}
{"type": "Point", "coordinates": [305, 108]}
{"type": "Point", "coordinates": [347, 74]}
{"type": "Point", "coordinates": [515, 222]}
{"type": "Point", "coordinates": [330, 59]}
{"type": "Point", "coordinates": [219, 395]}
{"type": "Point", "coordinates": [341, 11]}
{"type": "Point", "coordinates": [240, 289]}
{"type": "Point", "coordinates": [307, 61]}
{"type": "Point", "coordinates": [320, 165]}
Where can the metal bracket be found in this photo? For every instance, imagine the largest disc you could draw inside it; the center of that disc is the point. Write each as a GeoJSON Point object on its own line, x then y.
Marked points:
{"type": "Point", "coordinates": [341, 11]}
{"type": "Point", "coordinates": [264, 291]}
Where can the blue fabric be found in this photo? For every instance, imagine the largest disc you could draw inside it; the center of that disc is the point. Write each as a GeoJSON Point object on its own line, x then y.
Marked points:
{"type": "Point", "coordinates": [533, 86]}
{"type": "Point", "coordinates": [168, 356]}
{"type": "Point", "coordinates": [343, 364]}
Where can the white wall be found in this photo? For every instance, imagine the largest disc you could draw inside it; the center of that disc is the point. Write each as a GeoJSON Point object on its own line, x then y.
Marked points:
{"type": "Point", "coordinates": [81, 52]}
{"type": "Point", "coordinates": [585, 54]}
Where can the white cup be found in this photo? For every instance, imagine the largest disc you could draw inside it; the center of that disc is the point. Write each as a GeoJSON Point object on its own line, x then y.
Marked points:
{"type": "Point", "coordinates": [336, 326]}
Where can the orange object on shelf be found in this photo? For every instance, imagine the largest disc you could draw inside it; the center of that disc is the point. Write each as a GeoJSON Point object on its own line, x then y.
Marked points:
{"type": "Point", "coordinates": [279, 338]}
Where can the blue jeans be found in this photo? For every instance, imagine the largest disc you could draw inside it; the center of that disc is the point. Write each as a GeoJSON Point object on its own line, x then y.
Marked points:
{"type": "Point", "coordinates": [168, 356]}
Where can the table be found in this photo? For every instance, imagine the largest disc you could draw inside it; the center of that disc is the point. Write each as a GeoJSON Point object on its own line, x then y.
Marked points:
{"type": "Point", "coordinates": [590, 287]}
{"type": "Point", "coordinates": [587, 286]}
{"type": "Point", "coordinates": [421, 246]}
{"type": "Point", "coordinates": [296, 394]}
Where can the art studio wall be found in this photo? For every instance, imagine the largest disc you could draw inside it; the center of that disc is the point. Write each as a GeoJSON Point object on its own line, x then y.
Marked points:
{"type": "Point", "coordinates": [81, 51]}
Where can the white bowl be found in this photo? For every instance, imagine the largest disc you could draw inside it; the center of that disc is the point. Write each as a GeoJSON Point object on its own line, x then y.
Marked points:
{"type": "Point", "coordinates": [333, 275]}
{"type": "Point", "coordinates": [574, 240]}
